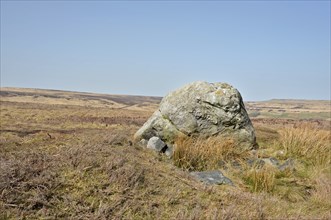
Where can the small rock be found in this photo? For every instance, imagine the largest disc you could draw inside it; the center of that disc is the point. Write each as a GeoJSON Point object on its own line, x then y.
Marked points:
{"type": "Point", "coordinates": [212, 177]}
{"type": "Point", "coordinates": [271, 161]}
{"type": "Point", "coordinates": [169, 152]}
{"type": "Point", "coordinates": [280, 153]}
{"type": "Point", "coordinates": [236, 165]}
{"type": "Point", "coordinates": [288, 164]}
{"type": "Point", "coordinates": [156, 144]}
{"type": "Point", "coordinates": [258, 163]}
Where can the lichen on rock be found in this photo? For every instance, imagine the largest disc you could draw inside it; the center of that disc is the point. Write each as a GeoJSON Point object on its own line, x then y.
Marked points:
{"type": "Point", "coordinates": [201, 109]}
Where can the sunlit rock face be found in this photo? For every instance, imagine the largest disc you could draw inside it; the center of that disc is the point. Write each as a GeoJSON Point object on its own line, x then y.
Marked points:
{"type": "Point", "coordinates": [201, 109]}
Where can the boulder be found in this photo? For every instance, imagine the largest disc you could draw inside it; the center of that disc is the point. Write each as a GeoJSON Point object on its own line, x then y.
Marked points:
{"type": "Point", "coordinates": [201, 109]}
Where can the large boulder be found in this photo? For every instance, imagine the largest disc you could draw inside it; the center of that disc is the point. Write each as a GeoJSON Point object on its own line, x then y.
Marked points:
{"type": "Point", "coordinates": [201, 109]}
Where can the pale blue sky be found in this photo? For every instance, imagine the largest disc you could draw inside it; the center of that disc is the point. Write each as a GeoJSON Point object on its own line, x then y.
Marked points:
{"type": "Point", "coordinates": [266, 49]}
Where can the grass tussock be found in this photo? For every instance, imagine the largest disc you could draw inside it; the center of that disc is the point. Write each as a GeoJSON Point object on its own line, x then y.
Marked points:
{"type": "Point", "coordinates": [205, 153]}
{"type": "Point", "coordinates": [261, 180]}
{"type": "Point", "coordinates": [321, 194]}
{"type": "Point", "coordinates": [307, 143]}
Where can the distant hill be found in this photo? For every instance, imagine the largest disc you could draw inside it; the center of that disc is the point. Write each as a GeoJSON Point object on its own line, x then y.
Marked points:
{"type": "Point", "coordinates": [77, 98]}
{"type": "Point", "coordinates": [274, 108]}
{"type": "Point", "coordinates": [290, 109]}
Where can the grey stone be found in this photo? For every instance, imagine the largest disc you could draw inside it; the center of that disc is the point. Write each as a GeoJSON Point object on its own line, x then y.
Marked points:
{"type": "Point", "coordinates": [169, 152]}
{"type": "Point", "coordinates": [236, 164]}
{"type": "Point", "coordinates": [201, 109]}
{"type": "Point", "coordinates": [288, 164]}
{"type": "Point", "coordinates": [212, 177]}
{"type": "Point", "coordinates": [257, 163]}
{"type": "Point", "coordinates": [233, 164]}
{"type": "Point", "coordinates": [251, 162]}
{"type": "Point", "coordinates": [156, 144]}
{"type": "Point", "coordinates": [271, 161]}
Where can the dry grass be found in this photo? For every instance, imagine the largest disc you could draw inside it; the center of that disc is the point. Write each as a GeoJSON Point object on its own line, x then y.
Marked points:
{"type": "Point", "coordinates": [321, 194]}
{"type": "Point", "coordinates": [72, 162]}
{"type": "Point", "coordinates": [261, 179]}
{"type": "Point", "coordinates": [305, 185]}
{"type": "Point", "coordinates": [205, 154]}
{"type": "Point", "coordinates": [93, 179]}
{"type": "Point", "coordinates": [307, 143]}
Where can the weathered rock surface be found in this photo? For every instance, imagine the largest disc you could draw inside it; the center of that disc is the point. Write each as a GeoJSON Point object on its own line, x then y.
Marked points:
{"type": "Point", "coordinates": [155, 143]}
{"type": "Point", "coordinates": [287, 165]}
{"type": "Point", "coordinates": [169, 152]}
{"type": "Point", "coordinates": [201, 109]}
{"type": "Point", "coordinates": [212, 177]}
{"type": "Point", "coordinates": [273, 162]}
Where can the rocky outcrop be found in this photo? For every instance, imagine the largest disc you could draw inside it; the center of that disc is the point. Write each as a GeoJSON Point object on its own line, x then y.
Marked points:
{"type": "Point", "coordinates": [201, 109]}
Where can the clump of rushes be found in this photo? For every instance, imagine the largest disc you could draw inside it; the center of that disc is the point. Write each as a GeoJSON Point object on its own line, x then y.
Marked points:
{"type": "Point", "coordinates": [307, 143]}
{"type": "Point", "coordinates": [192, 153]}
{"type": "Point", "coordinates": [261, 180]}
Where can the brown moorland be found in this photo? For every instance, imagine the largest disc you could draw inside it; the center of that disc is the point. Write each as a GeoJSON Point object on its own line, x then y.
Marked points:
{"type": "Point", "coordinates": [70, 155]}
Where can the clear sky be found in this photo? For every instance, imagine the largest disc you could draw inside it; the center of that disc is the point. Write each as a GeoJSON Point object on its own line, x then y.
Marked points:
{"type": "Point", "coordinates": [266, 49]}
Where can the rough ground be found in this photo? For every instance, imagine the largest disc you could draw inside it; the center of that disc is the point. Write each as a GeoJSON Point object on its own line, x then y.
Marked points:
{"type": "Point", "coordinates": [74, 159]}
